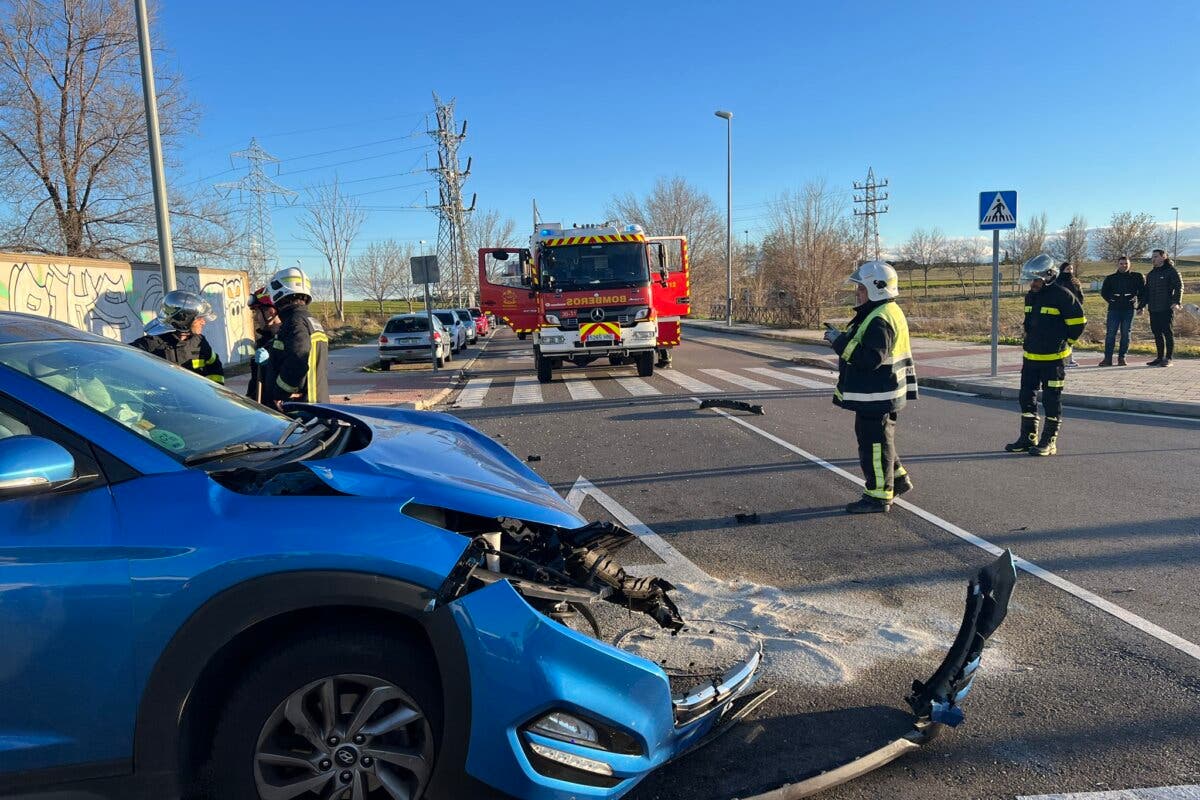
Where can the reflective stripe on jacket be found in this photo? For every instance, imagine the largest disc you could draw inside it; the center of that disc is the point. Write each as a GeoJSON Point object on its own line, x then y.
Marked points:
{"type": "Point", "coordinates": [299, 359]}
{"type": "Point", "coordinates": [876, 372]}
{"type": "Point", "coordinates": [193, 353]}
{"type": "Point", "coordinates": [1054, 320]}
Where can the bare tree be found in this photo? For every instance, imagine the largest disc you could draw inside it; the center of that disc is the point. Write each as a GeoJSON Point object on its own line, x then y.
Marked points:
{"type": "Point", "coordinates": [488, 229]}
{"type": "Point", "coordinates": [925, 249]}
{"type": "Point", "coordinates": [965, 256]}
{"type": "Point", "coordinates": [809, 249]}
{"type": "Point", "coordinates": [1026, 241]}
{"type": "Point", "coordinates": [376, 273]}
{"type": "Point", "coordinates": [73, 147]}
{"type": "Point", "coordinates": [1129, 234]}
{"type": "Point", "coordinates": [332, 222]}
{"type": "Point", "coordinates": [676, 208]}
{"type": "Point", "coordinates": [1071, 243]}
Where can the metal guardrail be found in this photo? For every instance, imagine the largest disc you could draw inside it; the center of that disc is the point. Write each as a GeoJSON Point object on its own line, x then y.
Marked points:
{"type": "Point", "coordinates": [782, 316]}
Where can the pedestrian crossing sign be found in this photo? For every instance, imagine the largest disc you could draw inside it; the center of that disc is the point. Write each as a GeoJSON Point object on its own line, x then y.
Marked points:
{"type": "Point", "coordinates": [997, 211]}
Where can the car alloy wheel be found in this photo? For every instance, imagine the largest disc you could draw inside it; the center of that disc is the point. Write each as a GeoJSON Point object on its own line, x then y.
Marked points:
{"type": "Point", "coordinates": [353, 736]}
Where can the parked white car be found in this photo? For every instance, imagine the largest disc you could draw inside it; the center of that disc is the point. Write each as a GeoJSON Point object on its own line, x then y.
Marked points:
{"type": "Point", "coordinates": [458, 331]}
{"type": "Point", "coordinates": [405, 337]}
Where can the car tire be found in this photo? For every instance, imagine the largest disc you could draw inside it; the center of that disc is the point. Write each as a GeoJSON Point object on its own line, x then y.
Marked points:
{"type": "Point", "coordinates": [450, 355]}
{"type": "Point", "coordinates": [441, 362]}
{"type": "Point", "coordinates": [645, 364]}
{"type": "Point", "coordinates": [257, 741]}
{"type": "Point", "coordinates": [545, 367]}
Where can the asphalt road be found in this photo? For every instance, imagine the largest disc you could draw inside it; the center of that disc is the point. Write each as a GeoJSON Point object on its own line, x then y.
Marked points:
{"type": "Point", "coordinates": [1070, 699]}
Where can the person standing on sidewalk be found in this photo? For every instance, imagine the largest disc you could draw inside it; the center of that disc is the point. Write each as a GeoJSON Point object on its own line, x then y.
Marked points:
{"type": "Point", "coordinates": [297, 368]}
{"type": "Point", "coordinates": [1070, 282]}
{"type": "Point", "coordinates": [1053, 322]}
{"type": "Point", "coordinates": [1163, 295]}
{"type": "Point", "coordinates": [1121, 291]}
{"type": "Point", "coordinates": [876, 377]}
{"type": "Point", "coordinates": [177, 335]}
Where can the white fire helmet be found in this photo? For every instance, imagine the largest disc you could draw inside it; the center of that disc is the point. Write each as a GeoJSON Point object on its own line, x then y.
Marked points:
{"type": "Point", "coordinates": [289, 282]}
{"type": "Point", "coordinates": [880, 278]}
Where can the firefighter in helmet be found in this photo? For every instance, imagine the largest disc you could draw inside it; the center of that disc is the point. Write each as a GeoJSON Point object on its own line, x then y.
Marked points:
{"type": "Point", "coordinates": [266, 322]}
{"type": "Point", "coordinates": [297, 364]}
{"type": "Point", "coordinates": [876, 377]}
{"type": "Point", "coordinates": [1054, 320]}
{"type": "Point", "coordinates": [177, 335]}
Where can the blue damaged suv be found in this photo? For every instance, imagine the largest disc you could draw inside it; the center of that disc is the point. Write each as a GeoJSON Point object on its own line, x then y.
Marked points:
{"type": "Point", "coordinates": [201, 598]}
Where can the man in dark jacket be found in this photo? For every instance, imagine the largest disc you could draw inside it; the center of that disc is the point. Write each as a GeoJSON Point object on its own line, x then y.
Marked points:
{"type": "Point", "coordinates": [1121, 291]}
{"type": "Point", "coordinates": [1163, 295]}
{"type": "Point", "coordinates": [1054, 320]}
{"type": "Point", "coordinates": [177, 335]}
{"type": "Point", "coordinates": [876, 378]}
{"type": "Point", "coordinates": [297, 367]}
{"type": "Point", "coordinates": [266, 323]}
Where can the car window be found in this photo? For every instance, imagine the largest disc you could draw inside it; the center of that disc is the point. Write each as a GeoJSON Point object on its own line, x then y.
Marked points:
{"type": "Point", "coordinates": [446, 317]}
{"type": "Point", "coordinates": [178, 411]}
{"type": "Point", "coordinates": [475, 312]}
{"type": "Point", "coordinates": [11, 426]}
{"type": "Point", "coordinates": [407, 325]}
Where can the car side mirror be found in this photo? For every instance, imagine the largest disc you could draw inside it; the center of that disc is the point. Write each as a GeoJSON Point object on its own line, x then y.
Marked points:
{"type": "Point", "coordinates": [662, 277]}
{"type": "Point", "coordinates": [32, 464]}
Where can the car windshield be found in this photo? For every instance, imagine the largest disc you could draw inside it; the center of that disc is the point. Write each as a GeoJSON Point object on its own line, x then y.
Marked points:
{"type": "Point", "coordinates": [407, 325]}
{"type": "Point", "coordinates": [179, 411]}
{"type": "Point", "coordinates": [475, 312]}
{"type": "Point", "coordinates": [464, 315]}
{"type": "Point", "coordinates": [594, 266]}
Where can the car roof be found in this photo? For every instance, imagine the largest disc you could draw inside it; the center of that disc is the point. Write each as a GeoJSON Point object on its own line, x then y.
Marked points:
{"type": "Point", "coordinates": [17, 327]}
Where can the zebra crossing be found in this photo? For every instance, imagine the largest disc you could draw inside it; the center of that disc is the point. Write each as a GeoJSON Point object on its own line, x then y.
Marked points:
{"type": "Point", "coordinates": [582, 385]}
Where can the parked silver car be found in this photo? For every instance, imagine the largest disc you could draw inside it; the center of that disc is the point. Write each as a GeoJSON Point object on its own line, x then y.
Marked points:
{"type": "Point", "coordinates": [464, 314]}
{"type": "Point", "coordinates": [458, 331]}
{"type": "Point", "coordinates": [406, 338]}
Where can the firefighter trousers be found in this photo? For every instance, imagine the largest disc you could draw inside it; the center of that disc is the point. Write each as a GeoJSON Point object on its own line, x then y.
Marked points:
{"type": "Point", "coordinates": [876, 434]}
{"type": "Point", "coordinates": [1050, 377]}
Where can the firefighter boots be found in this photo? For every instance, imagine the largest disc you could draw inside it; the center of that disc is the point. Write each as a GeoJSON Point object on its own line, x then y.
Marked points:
{"type": "Point", "coordinates": [904, 484]}
{"type": "Point", "coordinates": [1028, 437]}
{"type": "Point", "coordinates": [1048, 446]}
{"type": "Point", "coordinates": [868, 505]}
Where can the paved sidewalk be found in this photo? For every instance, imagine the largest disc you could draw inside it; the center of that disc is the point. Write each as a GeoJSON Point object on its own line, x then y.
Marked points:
{"type": "Point", "coordinates": [966, 367]}
{"type": "Point", "coordinates": [404, 385]}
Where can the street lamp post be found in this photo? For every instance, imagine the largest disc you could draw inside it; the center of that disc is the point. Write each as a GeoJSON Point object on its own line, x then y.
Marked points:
{"type": "Point", "coordinates": [166, 253]}
{"type": "Point", "coordinates": [1175, 251]}
{"type": "Point", "coordinates": [728, 117]}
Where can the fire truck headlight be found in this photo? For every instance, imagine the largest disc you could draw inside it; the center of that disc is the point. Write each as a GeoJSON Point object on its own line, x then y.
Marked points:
{"type": "Point", "coordinates": [553, 339]}
{"type": "Point", "coordinates": [642, 313]}
{"type": "Point", "coordinates": [644, 334]}
{"type": "Point", "coordinates": [551, 319]}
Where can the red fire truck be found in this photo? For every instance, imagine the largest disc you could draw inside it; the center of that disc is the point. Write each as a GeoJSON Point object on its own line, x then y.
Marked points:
{"type": "Point", "coordinates": [585, 293]}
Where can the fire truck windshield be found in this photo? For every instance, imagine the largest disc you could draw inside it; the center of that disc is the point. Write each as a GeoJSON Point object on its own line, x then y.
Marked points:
{"type": "Point", "coordinates": [593, 266]}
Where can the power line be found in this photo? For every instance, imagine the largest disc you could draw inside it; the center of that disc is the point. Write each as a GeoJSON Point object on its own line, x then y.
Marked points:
{"type": "Point", "coordinates": [260, 233]}
{"type": "Point", "coordinates": [451, 243]}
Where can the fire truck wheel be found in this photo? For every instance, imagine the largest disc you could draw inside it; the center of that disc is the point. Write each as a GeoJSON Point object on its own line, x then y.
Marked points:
{"type": "Point", "coordinates": [521, 336]}
{"type": "Point", "coordinates": [545, 367]}
{"type": "Point", "coordinates": [645, 364]}
{"type": "Point", "coordinates": [616, 361]}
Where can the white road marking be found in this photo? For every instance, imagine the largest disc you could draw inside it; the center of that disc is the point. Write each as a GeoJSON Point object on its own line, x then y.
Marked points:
{"type": "Point", "coordinates": [786, 377]}
{"type": "Point", "coordinates": [824, 373]}
{"type": "Point", "coordinates": [1128, 617]}
{"type": "Point", "coordinates": [740, 380]}
{"type": "Point", "coordinates": [580, 387]}
{"type": "Point", "coordinates": [1147, 415]}
{"type": "Point", "coordinates": [526, 389]}
{"type": "Point", "coordinates": [637, 387]}
{"type": "Point", "coordinates": [944, 391]}
{"type": "Point", "coordinates": [687, 381]}
{"type": "Point", "coordinates": [472, 396]}
{"type": "Point", "coordinates": [1157, 793]}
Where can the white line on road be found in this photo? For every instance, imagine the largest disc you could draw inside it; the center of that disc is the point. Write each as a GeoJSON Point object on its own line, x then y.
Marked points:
{"type": "Point", "coordinates": [687, 381]}
{"type": "Point", "coordinates": [637, 387]}
{"type": "Point", "coordinates": [580, 387]}
{"type": "Point", "coordinates": [787, 377]}
{"type": "Point", "coordinates": [1157, 793]}
{"type": "Point", "coordinates": [1128, 617]}
{"type": "Point", "coordinates": [472, 396]}
{"type": "Point", "coordinates": [740, 380]}
{"type": "Point", "coordinates": [945, 391]}
{"type": "Point", "coordinates": [526, 389]}
{"type": "Point", "coordinates": [824, 373]}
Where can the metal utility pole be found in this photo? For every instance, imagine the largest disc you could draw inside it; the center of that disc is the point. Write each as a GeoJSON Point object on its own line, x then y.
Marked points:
{"type": "Point", "coordinates": [1175, 251]}
{"type": "Point", "coordinates": [451, 214]}
{"type": "Point", "coordinates": [260, 253]}
{"type": "Point", "coordinates": [166, 252]}
{"type": "Point", "coordinates": [870, 213]}
{"type": "Point", "coordinates": [728, 117]}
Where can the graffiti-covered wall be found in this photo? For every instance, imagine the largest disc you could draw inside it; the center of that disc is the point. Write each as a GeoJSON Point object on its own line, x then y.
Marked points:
{"type": "Point", "coordinates": [116, 298]}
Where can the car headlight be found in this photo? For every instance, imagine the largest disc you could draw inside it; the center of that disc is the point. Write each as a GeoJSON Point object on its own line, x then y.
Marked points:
{"type": "Point", "coordinates": [552, 319]}
{"type": "Point", "coordinates": [569, 728]}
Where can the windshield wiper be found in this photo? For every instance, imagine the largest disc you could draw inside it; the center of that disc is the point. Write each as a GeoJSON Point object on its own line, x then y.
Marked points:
{"type": "Point", "coordinates": [230, 450]}
{"type": "Point", "coordinates": [291, 428]}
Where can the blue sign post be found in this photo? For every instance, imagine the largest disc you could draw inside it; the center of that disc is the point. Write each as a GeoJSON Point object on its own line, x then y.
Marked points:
{"type": "Point", "coordinates": [997, 212]}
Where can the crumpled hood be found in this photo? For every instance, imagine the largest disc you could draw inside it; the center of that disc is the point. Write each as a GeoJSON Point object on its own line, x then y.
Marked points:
{"type": "Point", "coordinates": [437, 460]}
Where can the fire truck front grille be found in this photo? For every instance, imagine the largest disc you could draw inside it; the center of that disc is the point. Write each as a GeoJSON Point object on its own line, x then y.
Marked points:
{"type": "Point", "coordinates": [624, 315]}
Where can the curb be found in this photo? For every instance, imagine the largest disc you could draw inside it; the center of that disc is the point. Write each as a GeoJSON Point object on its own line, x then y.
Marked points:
{"type": "Point", "coordinates": [778, 337]}
{"type": "Point", "coordinates": [1097, 402]}
{"type": "Point", "coordinates": [425, 405]}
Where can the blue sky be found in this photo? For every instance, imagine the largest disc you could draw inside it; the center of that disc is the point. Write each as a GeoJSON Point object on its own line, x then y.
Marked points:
{"type": "Point", "coordinates": [1088, 107]}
